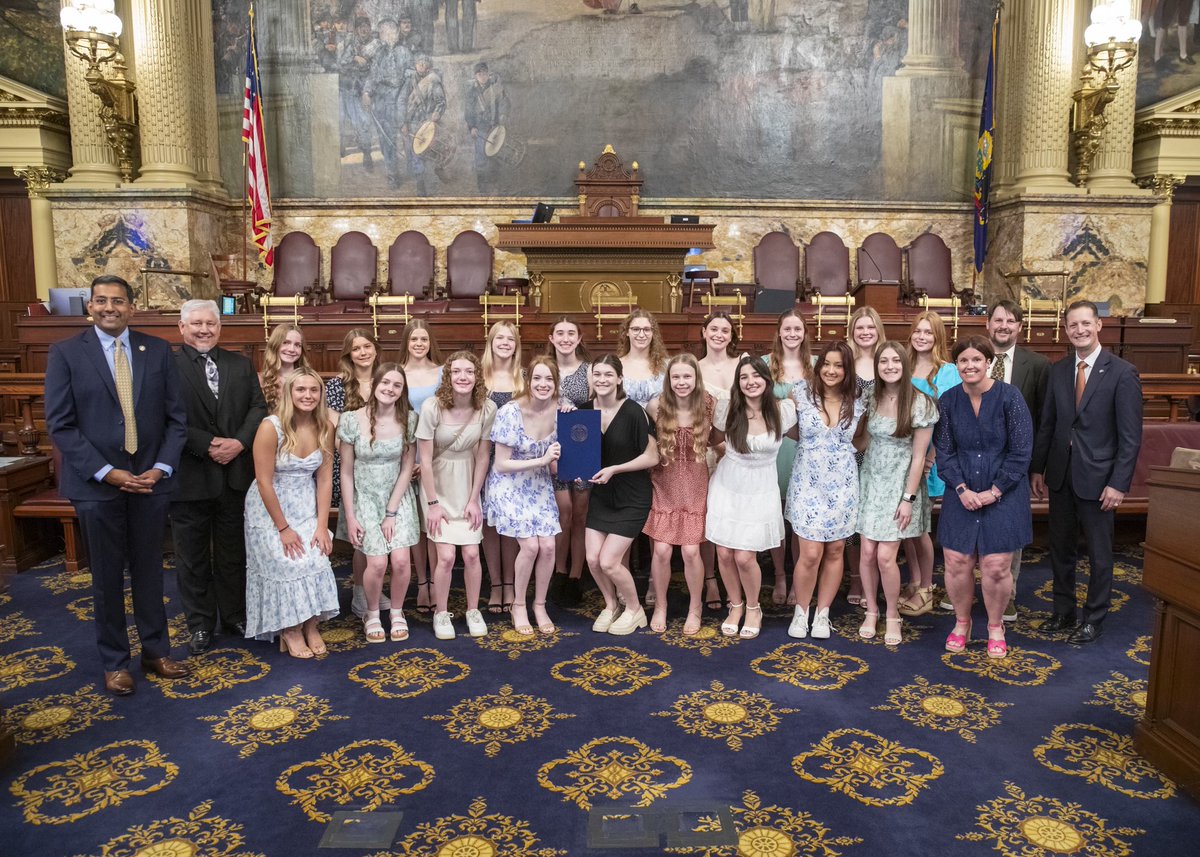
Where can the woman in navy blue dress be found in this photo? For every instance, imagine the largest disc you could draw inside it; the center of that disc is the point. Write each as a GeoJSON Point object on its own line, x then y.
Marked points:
{"type": "Point", "coordinates": [984, 440]}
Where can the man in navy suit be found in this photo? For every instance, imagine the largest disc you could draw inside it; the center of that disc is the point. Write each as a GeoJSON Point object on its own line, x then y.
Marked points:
{"type": "Point", "coordinates": [1026, 370]}
{"type": "Point", "coordinates": [224, 408]}
{"type": "Point", "coordinates": [1086, 448]}
{"type": "Point", "coordinates": [114, 411]}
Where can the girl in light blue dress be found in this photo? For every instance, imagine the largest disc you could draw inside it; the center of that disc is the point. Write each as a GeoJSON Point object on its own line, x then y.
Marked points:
{"type": "Point", "coordinates": [643, 355]}
{"type": "Point", "coordinates": [520, 488]}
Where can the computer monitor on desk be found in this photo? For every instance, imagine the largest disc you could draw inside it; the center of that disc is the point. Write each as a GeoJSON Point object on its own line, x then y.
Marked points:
{"type": "Point", "coordinates": [543, 213]}
{"type": "Point", "coordinates": [69, 301]}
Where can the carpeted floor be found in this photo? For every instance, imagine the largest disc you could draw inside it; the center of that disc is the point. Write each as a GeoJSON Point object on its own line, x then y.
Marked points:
{"type": "Point", "coordinates": [583, 742]}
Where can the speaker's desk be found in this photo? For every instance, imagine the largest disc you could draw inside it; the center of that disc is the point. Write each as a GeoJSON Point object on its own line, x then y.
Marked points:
{"type": "Point", "coordinates": [580, 258]}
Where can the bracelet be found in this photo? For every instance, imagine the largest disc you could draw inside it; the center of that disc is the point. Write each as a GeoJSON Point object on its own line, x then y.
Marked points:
{"type": "Point", "coordinates": [285, 527]}
{"type": "Point", "coordinates": [996, 493]}
{"type": "Point", "coordinates": [432, 502]}
{"type": "Point", "coordinates": [387, 514]}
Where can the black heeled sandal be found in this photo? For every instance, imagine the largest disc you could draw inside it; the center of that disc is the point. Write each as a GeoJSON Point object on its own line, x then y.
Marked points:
{"type": "Point", "coordinates": [715, 603]}
{"type": "Point", "coordinates": [425, 609]}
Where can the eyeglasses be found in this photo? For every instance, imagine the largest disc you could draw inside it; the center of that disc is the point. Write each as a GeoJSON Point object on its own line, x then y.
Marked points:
{"type": "Point", "coordinates": [641, 330]}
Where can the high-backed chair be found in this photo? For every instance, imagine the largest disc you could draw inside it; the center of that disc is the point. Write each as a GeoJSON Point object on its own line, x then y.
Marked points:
{"type": "Point", "coordinates": [880, 260]}
{"type": "Point", "coordinates": [297, 266]}
{"type": "Point", "coordinates": [929, 270]}
{"type": "Point", "coordinates": [826, 266]}
{"type": "Point", "coordinates": [468, 267]}
{"type": "Point", "coordinates": [353, 268]}
{"type": "Point", "coordinates": [411, 265]}
{"type": "Point", "coordinates": [777, 262]}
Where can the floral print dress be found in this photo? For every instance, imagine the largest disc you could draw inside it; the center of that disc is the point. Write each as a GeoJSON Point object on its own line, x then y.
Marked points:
{"type": "Point", "coordinates": [521, 505]}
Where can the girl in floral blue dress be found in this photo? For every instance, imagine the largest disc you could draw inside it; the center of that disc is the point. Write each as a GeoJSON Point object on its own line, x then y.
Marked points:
{"type": "Point", "coordinates": [520, 489]}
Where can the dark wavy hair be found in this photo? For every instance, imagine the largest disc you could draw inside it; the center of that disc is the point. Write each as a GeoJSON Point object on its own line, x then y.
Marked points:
{"type": "Point", "coordinates": [738, 423]}
{"type": "Point", "coordinates": [615, 362]}
{"type": "Point", "coordinates": [848, 388]}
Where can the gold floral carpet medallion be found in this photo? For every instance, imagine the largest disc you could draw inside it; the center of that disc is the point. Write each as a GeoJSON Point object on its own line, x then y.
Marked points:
{"type": "Point", "coordinates": [16, 625]}
{"type": "Point", "coordinates": [201, 834]}
{"type": "Point", "coordinates": [1046, 592]}
{"type": "Point", "coordinates": [270, 721]}
{"type": "Point", "coordinates": [499, 718]}
{"type": "Point", "coordinates": [81, 608]}
{"type": "Point", "coordinates": [66, 791]}
{"type": "Point", "coordinates": [58, 715]}
{"type": "Point", "coordinates": [177, 633]}
{"type": "Point", "coordinates": [772, 831]}
{"type": "Point", "coordinates": [1022, 667]}
{"type": "Point", "coordinates": [476, 834]}
{"type": "Point", "coordinates": [705, 641]}
{"type": "Point", "coordinates": [809, 667]}
{"type": "Point", "coordinates": [68, 581]}
{"type": "Point", "coordinates": [343, 634]}
{"type": "Point", "coordinates": [1123, 694]}
{"type": "Point", "coordinates": [944, 708]}
{"type": "Point", "coordinates": [611, 671]}
{"type": "Point", "coordinates": [1043, 826]}
{"type": "Point", "coordinates": [29, 666]}
{"type": "Point", "coordinates": [1103, 757]}
{"type": "Point", "coordinates": [617, 768]}
{"type": "Point", "coordinates": [508, 642]}
{"type": "Point", "coordinates": [213, 671]}
{"type": "Point", "coordinates": [725, 714]}
{"type": "Point", "coordinates": [869, 768]}
{"type": "Point", "coordinates": [365, 775]}
{"type": "Point", "coordinates": [1139, 652]}
{"type": "Point", "coordinates": [409, 673]}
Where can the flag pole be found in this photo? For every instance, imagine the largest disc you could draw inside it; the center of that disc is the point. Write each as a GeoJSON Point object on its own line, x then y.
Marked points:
{"type": "Point", "coordinates": [245, 213]}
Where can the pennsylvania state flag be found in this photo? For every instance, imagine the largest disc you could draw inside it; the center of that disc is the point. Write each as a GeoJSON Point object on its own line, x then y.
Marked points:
{"type": "Point", "coordinates": [984, 152]}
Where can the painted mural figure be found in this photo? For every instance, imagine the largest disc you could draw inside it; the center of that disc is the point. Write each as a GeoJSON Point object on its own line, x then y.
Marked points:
{"type": "Point", "coordinates": [426, 103]}
{"type": "Point", "coordinates": [354, 64]}
{"type": "Point", "coordinates": [410, 38]}
{"type": "Point", "coordinates": [424, 15]}
{"type": "Point", "coordinates": [385, 94]}
{"type": "Point", "coordinates": [487, 107]}
{"type": "Point", "coordinates": [1161, 15]}
{"type": "Point", "coordinates": [460, 36]}
{"type": "Point", "coordinates": [324, 43]}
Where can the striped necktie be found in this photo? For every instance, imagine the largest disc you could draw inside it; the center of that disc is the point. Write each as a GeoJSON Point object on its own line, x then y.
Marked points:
{"type": "Point", "coordinates": [124, 378]}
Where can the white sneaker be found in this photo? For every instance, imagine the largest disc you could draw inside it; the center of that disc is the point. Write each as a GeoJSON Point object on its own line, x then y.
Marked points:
{"type": "Point", "coordinates": [476, 627]}
{"type": "Point", "coordinates": [604, 621]}
{"type": "Point", "coordinates": [946, 605]}
{"type": "Point", "coordinates": [358, 602]}
{"type": "Point", "coordinates": [820, 625]}
{"type": "Point", "coordinates": [799, 626]}
{"type": "Point", "coordinates": [443, 628]}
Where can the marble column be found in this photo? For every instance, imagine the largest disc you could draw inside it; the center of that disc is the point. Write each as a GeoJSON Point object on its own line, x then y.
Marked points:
{"type": "Point", "coordinates": [1010, 78]}
{"type": "Point", "coordinates": [93, 163]}
{"type": "Point", "coordinates": [167, 66]}
{"type": "Point", "coordinates": [1044, 99]}
{"type": "Point", "coordinates": [1163, 185]}
{"type": "Point", "coordinates": [45, 269]}
{"type": "Point", "coordinates": [932, 37]}
{"type": "Point", "coordinates": [1112, 168]}
{"type": "Point", "coordinates": [204, 93]}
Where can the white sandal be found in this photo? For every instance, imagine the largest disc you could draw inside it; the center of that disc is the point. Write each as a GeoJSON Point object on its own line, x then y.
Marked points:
{"type": "Point", "coordinates": [399, 627]}
{"type": "Point", "coordinates": [730, 629]}
{"type": "Point", "coordinates": [372, 627]}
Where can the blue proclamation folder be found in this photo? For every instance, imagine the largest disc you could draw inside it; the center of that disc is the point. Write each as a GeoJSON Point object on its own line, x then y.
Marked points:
{"type": "Point", "coordinates": [579, 436]}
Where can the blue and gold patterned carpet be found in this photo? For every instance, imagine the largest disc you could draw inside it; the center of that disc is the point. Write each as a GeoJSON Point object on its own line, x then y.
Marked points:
{"type": "Point", "coordinates": [513, 745]}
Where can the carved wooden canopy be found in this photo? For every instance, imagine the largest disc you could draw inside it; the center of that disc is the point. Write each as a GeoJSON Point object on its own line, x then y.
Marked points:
{"type": "Point", "coordinates": [608, 189]}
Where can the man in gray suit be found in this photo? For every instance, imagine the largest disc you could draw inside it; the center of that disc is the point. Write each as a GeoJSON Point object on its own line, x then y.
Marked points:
{"type": "Point", "coordinates": [1027, 371]}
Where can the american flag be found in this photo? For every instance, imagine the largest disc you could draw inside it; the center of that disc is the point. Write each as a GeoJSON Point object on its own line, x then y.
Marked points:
{"type": "Point", "coordinates": [258, 188]}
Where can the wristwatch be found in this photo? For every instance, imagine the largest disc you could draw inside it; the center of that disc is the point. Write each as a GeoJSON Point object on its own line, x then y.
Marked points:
{"type": "Point", "coordinates": [908, 498]}
{"type": "Point", "coordinates": [432, 502]}
{"type": "Point", "coordinates": [960, 489]}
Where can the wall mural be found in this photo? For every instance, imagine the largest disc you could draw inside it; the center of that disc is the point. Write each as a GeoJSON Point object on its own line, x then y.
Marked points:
{"type": "Point", "coordinates": [1167, 62]}
{"type": "Point", "coordinates": [31, 45]}
{"type": "Point", "coordinates": [771, 99]}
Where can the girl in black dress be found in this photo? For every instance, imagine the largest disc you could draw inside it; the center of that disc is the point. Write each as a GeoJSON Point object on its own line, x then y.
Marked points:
{"type": "Point", "coordinates": [621, 495]}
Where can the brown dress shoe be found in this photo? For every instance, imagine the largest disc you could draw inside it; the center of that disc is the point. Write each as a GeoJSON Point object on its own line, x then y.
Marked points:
{"type": "Point", "coordinates": [165, 667]}
{"type": "Point", "coordinates": [119, 683]}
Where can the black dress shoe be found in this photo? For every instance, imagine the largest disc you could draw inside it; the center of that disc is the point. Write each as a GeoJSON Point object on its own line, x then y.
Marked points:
{"type": "Point", "coordinates": [234, 629]}
{"type": "Point", "coordinates": [201, 642]}
{"type": "Point", "coordinates": [1085, 633]}
{"type": "Point", "coordinates": [1060, 622]}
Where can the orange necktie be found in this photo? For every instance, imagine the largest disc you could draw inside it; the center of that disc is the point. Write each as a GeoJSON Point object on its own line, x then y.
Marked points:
{"type": "Point", "coordinates": [1080, 382]}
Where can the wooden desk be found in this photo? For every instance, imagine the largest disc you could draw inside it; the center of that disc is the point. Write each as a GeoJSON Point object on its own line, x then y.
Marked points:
{"type": "Point", "coordinates": [583, 257]}
{"type": "Point", "coordinates": [1169, 732]}
{"type": "Point", "coordinates": [19, 480]}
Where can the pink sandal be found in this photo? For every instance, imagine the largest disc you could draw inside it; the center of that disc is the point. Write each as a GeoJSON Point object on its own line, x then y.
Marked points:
{"type": "Point", "coordinates": [956, 642]}
{"type": "Point", "coordinates": [997, 649]}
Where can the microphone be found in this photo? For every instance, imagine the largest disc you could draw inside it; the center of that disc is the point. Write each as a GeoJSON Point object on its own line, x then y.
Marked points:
{"type": "Point", "coordinates": [878, 270]}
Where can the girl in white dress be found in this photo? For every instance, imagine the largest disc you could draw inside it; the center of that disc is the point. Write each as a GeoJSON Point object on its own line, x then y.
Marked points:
{"type": "Point", "coordinates": [520, 492]}
{"type": "Point", "coordinates": [379, 511]}
{"type": "Point", "coordinates": [744, 512]}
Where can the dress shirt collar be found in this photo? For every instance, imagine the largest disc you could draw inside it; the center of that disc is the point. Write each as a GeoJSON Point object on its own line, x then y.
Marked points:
{"type": "Point", "coordinates": [107, 340]}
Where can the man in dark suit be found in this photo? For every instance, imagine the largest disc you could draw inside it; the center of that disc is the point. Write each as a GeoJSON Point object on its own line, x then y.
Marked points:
{"type": "Point", "coordinates": [114, 411]}
{"type": "Point", "coordinates": [224, 408]}
{"type": "Point", "coordinates": [1026, 370]}
{"type": "Point", "coordinates": [1086, 448]}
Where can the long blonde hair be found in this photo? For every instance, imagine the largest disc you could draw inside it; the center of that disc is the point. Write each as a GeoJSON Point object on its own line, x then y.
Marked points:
{"type": "Point", "coordinates": [287, 415]}
{"type": "Point", "coordinates": [777, 348]}
{"type": "Point", "coordinates": [273, 366]}
{"type": "Point", "coordinates": [346, 369]}
{"type": "Point", "coordinates": [940, 354]}
{"type": "Point", "coordinates": [864, 312]}
{"type": "Point", "coordinates": [698, 402]}
{"type": "Point", "coordinates": [658, 350]}
{"type": "Point", "coordinates": [488, 361]}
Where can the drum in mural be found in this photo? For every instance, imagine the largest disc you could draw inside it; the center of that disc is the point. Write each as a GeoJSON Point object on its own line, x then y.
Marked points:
{"type": "Point", "coordinates": [504, 147]}
{"type": "Point", "coordinates": [432, 146]}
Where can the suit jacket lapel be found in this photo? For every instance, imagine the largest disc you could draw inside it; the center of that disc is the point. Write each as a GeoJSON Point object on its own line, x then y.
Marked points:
{"type": "Point", "coordinates": [1095, 379]}
{"type": "Point", "coordinates": [137, 365]}
{"type": "Point", "coordinates": [100, 362]}
{"type": "Point", "coordinates": [1018, 370]}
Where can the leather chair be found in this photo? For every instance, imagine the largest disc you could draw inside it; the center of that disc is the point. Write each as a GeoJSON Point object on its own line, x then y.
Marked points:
{"type": "Point", "coordinates": [777, 263]}
{"type": "Point", "coordinates": [826, 266]}
{"type": "Point", "coordinates": [880, 260]}
{"type": "Point", "coordinates": [353, 267]}
{"type": "Point", "coordinates": [468, 269]}
{"type": "Point", "coordinates": [297, 266]}
{"type": "Point", "coordinates": [411, 266]}
{"type": "Point", "coordinates": [929, 268]}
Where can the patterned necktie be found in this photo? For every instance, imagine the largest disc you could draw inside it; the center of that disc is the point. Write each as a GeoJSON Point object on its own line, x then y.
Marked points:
{"type": "Point", "coordinates": [210, 374]}
{"type": "Point", "coordinates": [124, 378]}
{"type": "Point", "coordinates": [1080, 382]}
{"type": "Point", "coordinates": [998, 367]}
